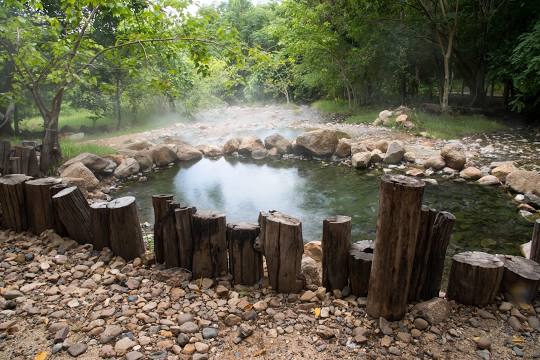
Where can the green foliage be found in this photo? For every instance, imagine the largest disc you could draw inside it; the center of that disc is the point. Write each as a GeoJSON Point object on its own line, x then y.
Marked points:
{"type": "Point", "coordinates": [71, 149]}
{"type": "Point", "coordinates": [456, 126]}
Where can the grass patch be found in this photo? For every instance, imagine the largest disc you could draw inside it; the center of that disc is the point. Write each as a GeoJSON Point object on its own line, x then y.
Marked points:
{"type": "Point", "coordinates": [363, 116]}
{"type": "Point", "coordinates": [70, 149]}
{"type": "Point", "coordinates": [332, 106]}
{"type": "Point", "coordinates": [69, 116]}
{"type": "Point", "coordinates": [452, 127]}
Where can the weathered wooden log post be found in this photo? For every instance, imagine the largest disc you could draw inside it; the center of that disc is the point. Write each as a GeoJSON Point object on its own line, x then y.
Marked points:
{"type": "Point", "coordinates": [336, 242]}
{"type": "Point", "coordinates": [183, 217]}
{"type": "Point", "coordinates": [74, 212]}
{"type": "Point", "coordinates": [535, 242]}
{"type": "Point", "coordinates": [161, 207]}
{"type": "Point", "coordinates": [209, 244]}
{"type": "Point", "coordinates": [28, 160]}
{"type": "Point", "coordinates": [59, 227]}
{"type": "Point", "coordinates": [400, 201]}
{"type": "Point", "coordinates": [433, 238]}
{"type": "Point", "coordinates": [39, 204]}
{"type": "Point", "coordinates": [12, 201]}
{"type": "Point", "coordinates": [245, 262]}
{"type": "Point", "coordinates": [283, 249]}
{"type": "Point", "coordinates": [360, 260]}
{"type": "Point", "coordinates": [125, 229]}
{"type": "Point", "coordinates": [475, 278]}
{"type": "Point", "coordinates": [100, 224]}
{"type": "Point", "coordinates": [5, 151]}
{"type": "Point", "coordinates": [171, 249]}
{"type": "Point", "coordinates": [521, 278]}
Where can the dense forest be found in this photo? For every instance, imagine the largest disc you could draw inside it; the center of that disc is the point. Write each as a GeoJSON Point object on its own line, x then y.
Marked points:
{"type": "Point", "coordinates": [126, 59]}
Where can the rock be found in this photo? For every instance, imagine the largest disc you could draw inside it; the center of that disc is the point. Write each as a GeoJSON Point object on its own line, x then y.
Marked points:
{"type": "Point", "coordinates": [127, 168]}
{"type": "Point", "coordinates": [209, 333]}
{"type": "Point", "coordinates": [201, 347]}
{"type": "Point", "coordinates": [436, 163]}
{"type": "Point", "coordinates": [139, 145]}
{"type": "Point", "coordinates": [183, 318]}
{"type": "Point", "coordinates": [361, 160]}
{"type": "Point", "coordinates": [325, 332]}
{"type": "Point", "coordinates": [401, 119]}
{"type": "Point", "coordinates": [404, 337]}
{"type": "Point", "coordinates": [248, 144]}
{"type": "Point", "coordinates": [186, 152]}
{"type": "Point", "coordinates": [471, 173]}
{"type": "Point", "coordinates": [358, 147]}
{"type": "Point", "coordinates": [343, 148]}
{"type": "Point", "coordinates": [484, 354]}
{"type": "Point", "coordinates": [454, 155]}
{"type": "Point", "coordinates": [376, 156]}
{"type": "Point", "coordinates": [385, 114]}
{"type": "Point", "coordinates": [163, 155]}
{"type": "Point", "coordinates": [61, 335]}
{"type": "Point", "coordinates": [524, 181]}
{"type": "Point", "coordinates": [532, 199]}
{"type": "Point", "coordinates": [189, 327]}
{"type": "Point", "coordinates": [382, 145]}
{"type": "Point", "coordinates": [231, 146]}
{"type": "Point", "coordinates": [95, 163]}
{"type": "Point", "coordinates": [123, 345]}
{"type": "Point", "coordinates": [213, 151]}
{"type": "Point", "coordinates": [232, 320]}
{"type": "Point", "coordinates": [222, 291]}
{"type": "Point", "coordinates": [307, 296]}
{"type": "Point", "coordinates": [260, 305]}
{"type": "Point", "coordinates": [110, 333]}
{"type": "Point", "coordinates": [318, 142]}
{"type": "Point", "coordinates": [78, 170]}
{"type": "Point", "coordinates": [277, 141]}
{"type": "Point", "coordinates": [77, 349]}
{"type": "Point", "coordinates": [435, 311]}
{"type": "Point", "coordinates": [384, 326]}
{"type": "Point", "coordinates": [515, 324]}
{"type": "Point", "coordinates": [313, 249]}
{"type": "Point", "coordinates": [408, 125]}
{"type": "Point", "coordinates": [311, 271]}
{"type": "Point", "coordinates": [144, 158]}
{"type": "Point", "coordinates": [395, 152]}
{"type": "Point", "coordinates": [134, 355]}
{"type": "Point", "coordinates": [505, 306]}
{"type": "Point", "coordinates": [11, 294]}
{"type": "Point", "coordinates": [483, 342]}
{"type": "Point", "coordinates": [420, 324]}
{"type": "Point", "coordinates": [409, 156]}
{"type": "Point", "coordinates": [259, 154]}
{"type": "Point", "coordinates": [489, 180]}
{"type": "Point", "coordinates": [534, 322]}
{"type": "Point", "coordinates": [502, 171]}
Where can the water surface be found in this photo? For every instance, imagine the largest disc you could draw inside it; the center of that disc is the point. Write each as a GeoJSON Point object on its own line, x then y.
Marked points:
{"type": "Point", "coordinates": [309, 190]}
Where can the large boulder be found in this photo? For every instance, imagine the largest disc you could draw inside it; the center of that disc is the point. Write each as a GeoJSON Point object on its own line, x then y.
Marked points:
{"type": "Point", "coordinates": [381, 145]}
{"type": "Point", "coordinates": [361, 160]}
{"type": "Point", "coordinates": [231, 146]}
{"type": "Point", "coordinates": [277, 141]}
{"type": "Point", "coordinates": [343, 148]}
{"type": "Point", "coordinates": [471, 173]}
{"type": "Point", "coordinates": [489, 180]}
{"type": "Point", "coordinates": [144, 158]}
{"type": "Point", "coordinates": [395, 152]}
{"type": "Point", "coordinates": [317, 142]}
{"type": "Point", "coordinates": [454, 155]}
{"type": "Point", "coordinates": [401, 119]}
{"type": "Point", "coordinates": [127, 168]}
{"type": "Point", "coordinates": [313, 249]}
{"type": "Point", "coordinates": [376, 156]}
{"type": "Point", "coordinates": [95, 163]}
{"type": "Point", "coordinates": [385, 114]}
{"type": "Point", "coordinates": [503, 170]}
{"type": "Point", "coordinates": [248, 144]}
{"type": "Point", "coordinates": [139, 145]}
{"type": "Point", "coordinates": [259, 154]}
{"type": "Point", "coordinates": [524, 181]}
{"type": "Point", "coordinates": [434, 311]}
{"type": "Point", "coordinates": [311, 271]}
{"type": "Point", "coordinates": [186, 152]}
{"type": "Point", "coordinates": [79, 171]}
{"type": "Point", "coordinates": [436, 162]}
{"type": "Point", "coordinates": [163, 155]}
{"type": "Point", "coordinates": [358, 147]}
{"type": "Point", "coordinates": [213, 151]}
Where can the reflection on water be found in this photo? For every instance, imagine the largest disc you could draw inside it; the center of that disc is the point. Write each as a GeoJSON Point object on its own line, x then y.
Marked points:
{"type": "Point", "coordinates": [486, 218]}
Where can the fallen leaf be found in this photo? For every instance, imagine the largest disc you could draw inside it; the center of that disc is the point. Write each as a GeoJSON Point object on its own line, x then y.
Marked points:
{"type": "Point", "coordinates": [43, 355]}
{"type": "Point", "coordinates": [317, 312]}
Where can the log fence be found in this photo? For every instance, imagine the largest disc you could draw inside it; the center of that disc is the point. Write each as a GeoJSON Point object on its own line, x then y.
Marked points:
{"type": "Point", "coordinates": [403, 265]}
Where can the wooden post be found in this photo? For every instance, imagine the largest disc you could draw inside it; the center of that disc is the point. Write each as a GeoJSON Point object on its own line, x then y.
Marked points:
{"type": "Point", "coordinates": [59, 227]}
{"type": "Point", "coordinates": [245, 262]}
{"type": "Point", "coordinates": [360, 260]}
{"type": "Point", "coordinates": [283, 249]}
{"type": "Point", "coordinates": [475, 278]}
{"type": "Point", "coordinates": [183, 222]}
{"type": "Point", "coordinates": [400, 201]}
{"type": "Point", "coordinates": [74, 212]}
{"type": "Point", "coordinates": [39, 204]}
{"type": "Point", "coordinates": [125, 229]}
{"type": "Point", "coordinates": [99, 222]}
{"type": "Point", "coordinates": [171, 250]}
{"type": "Point", "coordinates": [15, 165]}
{"type": "Point", "coordinates": [28, 160]}
{"type": "Point", "coordinates": [161, 206]}
{"type": "Point", "coordinates": [5, 151]}
{"type": "Point", "coordinates": [521, 278]}
{"type": "Point", "coordinates": [535, 242]}
{"type": "Point", "coordinates": [336, 242]}
{"type": "Point", "coordinates": [259, 242]}
{"type": "Point", "coordinates": [421, 254]}
{"type": "Point", "coordinates": [12, 201]}
{"type": "Point", "coordinates": [209, 244]}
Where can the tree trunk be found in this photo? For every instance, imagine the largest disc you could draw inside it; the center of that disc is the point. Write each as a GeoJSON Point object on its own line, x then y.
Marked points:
{"type": "Point", "coordinates": [400, 201]}
{"type": "Point", "coordinates": [475, 278]}
{"type": "Point", "coordinates": [39, 204]}
{"type": "Point", "coordinates": [74, 213]}
{"type": "Point", "coordinates": [100, 225]}
{"type": "Point", "coordinates": [59, 227]}
{"type": "Point", "coordinates": [245, 262]}
{"type": "Point", "coordinates": [360, 260]}
{"type": "Point", "coordinates": [535, 242]}
{"type": "Point", "coordinates": [28, 160]}
{"type": "Point", "coordinates": [521, 278]}
{"type": "Point", "coordinates": [283, 249]}
{"type": "Point", "coordinates": [50, 151]}
{"type": "Point", "coordinates": [184, 233]}
{"type": "Point", "coordinates": [125, 229]}
{"type": "Point", "coordinates": [118, 105]}
{"type": "Point", "coordinates": [6, 119]}
{"type": "Point", "coordinates": [12, 202]}
{"type": "Point", "coordinates": [336, 242]}
{"type": "Point", "coordinates": [161, 205]}
{"type": "Point", "coordinates": [5, 151]}
{"type": "Point", "coordinates": [171, 250]}
{"type": "Point", "coordinates": [209, 245]}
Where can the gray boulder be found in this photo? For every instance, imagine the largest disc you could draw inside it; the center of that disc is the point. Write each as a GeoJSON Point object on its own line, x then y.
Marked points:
{"type": "Point", "coordinates": [361, 160]}
{"type": "Point", "coordinates": [186, 152]}
{"type": "Point", "coordinates": [248, 144]}
{"type": "Point", "coordinates": [343, 148]}
{"type": "Point", "coordinates": [231, 146]}
{"type": "Point", "coordinates": [395, 152]}
{"type": "Point", "coordinates": [95, 163]}
{"type": "Point", "coordinates": [436, 163]}
{"type": "Point", "coordinates": [524, 181]}
{"type": "Point", "coordinates": [277, 141]}
{"type": "Point", "coordinates": [144, 158]}
{"type": "Point", "coordinates": [454, 155]}
{"type": "Point", "coordinates": [317, 142]}
{"type": "Point", "coordinates": [127, 168]}
{"type": "Point", "coordinates": [163, 155]}
{"type": "Point", "coordinates": [85, 176]}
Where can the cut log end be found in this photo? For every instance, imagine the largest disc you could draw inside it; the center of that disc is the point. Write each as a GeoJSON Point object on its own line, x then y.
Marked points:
{"type": "Point", "coordinates": [402, 180]}
{"type": "Point", "coordinates": [479, 259]}
{"type": "Point", "coordinates": [14, 179]}
{"type": "Point", "coordinates": [121, 202]}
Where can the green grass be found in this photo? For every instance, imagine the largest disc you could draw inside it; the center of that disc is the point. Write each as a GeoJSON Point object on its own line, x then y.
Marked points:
{"type": "Point", "coordinates": [453, 127]}
{"type": "Point", "coordinates": [70, 149]}
{"type": "Point", "coordinates": [68, 116]}
{"type": "Point", "coordinates": [332, 106]}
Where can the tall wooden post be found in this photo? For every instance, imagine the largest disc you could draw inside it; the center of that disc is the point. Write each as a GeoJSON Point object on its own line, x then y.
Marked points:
{"type": "Point", "coordinates": [100, 224]}
{"type": "Point", "coordinates": [125, 228]}
{"type": "Point", "coordinates": [183, 217]}
{"type": "Point", "coordinates": [245, 262]}
{"type": "Point", "coordinates": [400, 201]}
{"type": "Point", "coordinates": [39, 204]}
{"type": "Point", "coordinates": [360, 260]}
{"type": "Point", "coordinates": [28, 160]}
{"type": "Point", "coordinates": [535, 242]}
{"type": "Point", "coordinates": [209, 244]}
{"type": "Point", "coordinates": [171, 251]}
{"type": "Point", "coordinates": [12, 201]}
{"type": "Point", "coordinates": [336, 242]}
{"type": "Point", "coordinates": [5, 151]}
{"type": "Point", "coordinates": [74, 212]}
{"type": "Point", "coordinates": [59, 227]}
{"type": "Point", "coordinates": [161, 207]}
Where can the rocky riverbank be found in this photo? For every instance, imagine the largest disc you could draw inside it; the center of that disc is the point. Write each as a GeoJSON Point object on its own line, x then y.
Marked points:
{"type": "Point", "coordinates": [60, 300]}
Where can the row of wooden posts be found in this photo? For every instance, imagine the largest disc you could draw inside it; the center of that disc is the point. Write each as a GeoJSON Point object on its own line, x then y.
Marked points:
{"type": "Point", "coordinates": [404, 264]}
{"type": "Point", "coordinates": [19, 159]}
